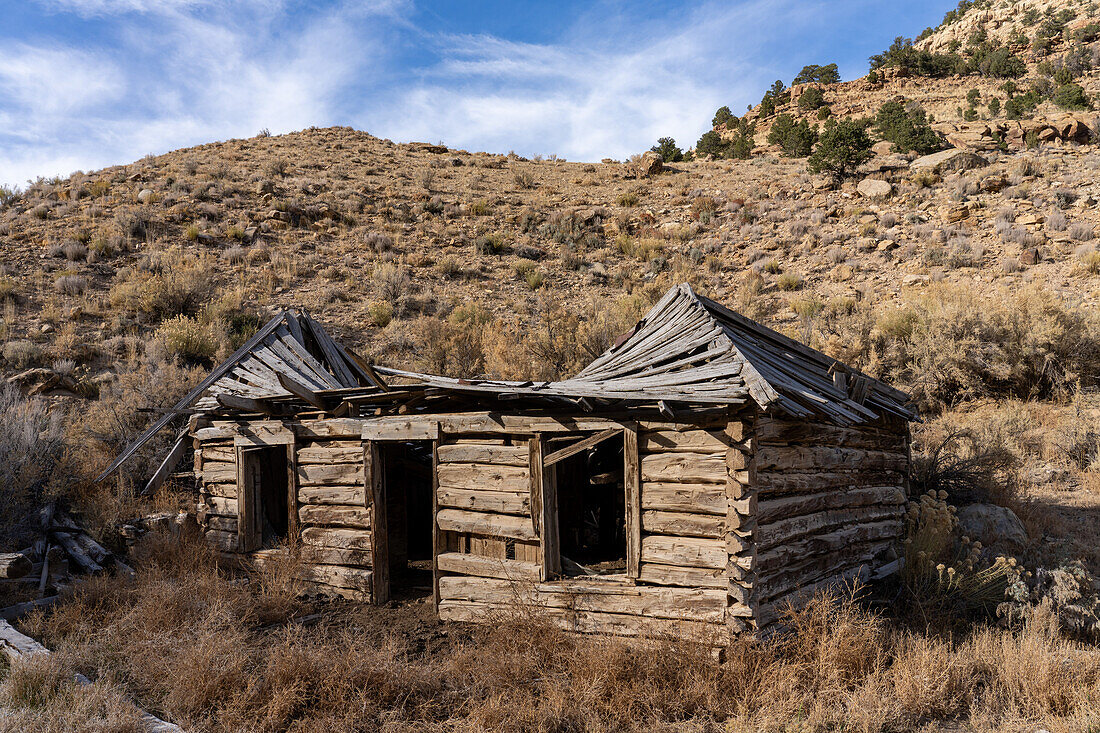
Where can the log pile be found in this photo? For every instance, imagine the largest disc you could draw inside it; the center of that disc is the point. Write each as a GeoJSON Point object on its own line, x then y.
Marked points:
{"type": "Point", "coordinates": [64, 548]}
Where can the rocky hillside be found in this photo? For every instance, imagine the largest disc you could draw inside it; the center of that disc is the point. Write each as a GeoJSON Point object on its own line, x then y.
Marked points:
{"type": "Point", "coordinates": [1046, 36]}
{"type": "Point", "coordinates": [477, 263]}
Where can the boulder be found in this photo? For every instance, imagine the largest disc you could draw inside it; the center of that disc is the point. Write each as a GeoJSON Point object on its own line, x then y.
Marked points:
{"type": "Point", "coordinates": [649, 164]}
{"type": "Point", "coordinates": [882, 148]}
{"type": "Point", "coordinates": [952, 159]}
{"type": "Point", "coordinates": [145, 196]}
{"type": "Point", "coordinates": [874, 188]}
{"type": "Point", "coordinates": [996, 527]}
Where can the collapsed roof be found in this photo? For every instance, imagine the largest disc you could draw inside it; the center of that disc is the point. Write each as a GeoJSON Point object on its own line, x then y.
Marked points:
{"type": "Point", "coordinates": [691, 349]}
{"type": "Point", "coordinates": [687, 351]}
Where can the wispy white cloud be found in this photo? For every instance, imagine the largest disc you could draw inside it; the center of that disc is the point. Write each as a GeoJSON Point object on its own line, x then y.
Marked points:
{"type": "Point", "coordinates": [162, 74]}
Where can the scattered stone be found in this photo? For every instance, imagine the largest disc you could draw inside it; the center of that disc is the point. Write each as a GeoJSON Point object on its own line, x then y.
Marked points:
{"type": "Point", "coordinates": [957, 213]}
{"type": "Point", "coordinates": [145, 196]}
{"type": "Point", "coordinates": [953, 159]}
{"type": "Point", "coordinates": [996, 527]}
{"type": "Point", "coordinates": [874, 188]}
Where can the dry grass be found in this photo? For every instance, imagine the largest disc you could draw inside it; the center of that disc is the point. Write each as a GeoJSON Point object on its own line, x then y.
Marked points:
{"type": "Point", "coordinates": [217, 654]}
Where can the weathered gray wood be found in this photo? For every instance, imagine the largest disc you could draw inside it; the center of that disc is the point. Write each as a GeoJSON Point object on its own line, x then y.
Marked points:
{"type": "Point", "coordinates": [680, 497]}
{"type": "Point", "coordinates": [699, 604]}
{"type": "Point", "coordinates": [348, 539]}
{"type": "Point", "coordinates": [684, 551]}
{"type": "Point", "coordinates": [827, 457]}
{"type": "Point", "coordinates": [484, 477]}
{"type": "Point", "coordinates": [345, 453]}
{"type": "Point", "coordinates": [683, 524]}
{"type": "Point", "coordinates": [789, 506]}
{"type": "Point", "coordinates": [500, 455]}
{"type": "Point", "coordinates": [332, 495]}
{"type": "Point", "coordinates": [374, 486]}
{"type": "Point", "coordinates": [14, 565]}
{"type": "Point", "coordinates": [76, 552]}
{"type": "Point", "coordinates": [19, 610]}
{"type": "Point", "coordinates": [588, 622]}
{"type": "Point", "coordinates": [784, 530]}
{"type": "Point", "coordinates": [682, 576]}
{"type": "Point", "coordinates": [503, 502]}
{"type": "Point", "coordinates": [581, 445]}
{"type": "Point", "coordinates": [785, 555]}
{"type": "Point", "coordinates": [167, 465]}
{"type": "Point", "coordinates": [492, 525]}
{"type": "Point", "coordinates": [684, 467]}
{"type": "Point", "coordinates": [489, 567]}
{"type": "Point", "coordinates": [335, 516]}
{"type": "Point", "coordinates": [689, 441]}
{"type": "Point", "coordinates": [330, 474]}
{"type": "Point", "coordinates": [632, 483]}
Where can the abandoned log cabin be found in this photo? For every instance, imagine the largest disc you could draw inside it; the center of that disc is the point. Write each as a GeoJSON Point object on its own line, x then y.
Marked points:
{"type": "Point", "coordinates": [696, 478]}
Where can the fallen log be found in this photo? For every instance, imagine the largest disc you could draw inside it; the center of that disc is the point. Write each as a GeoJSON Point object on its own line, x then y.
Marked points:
{"type": "Point", "coordinates": [19, 610]}
{"type": "Point", "coordinates": [17, 647]}
{"type": "Point", "coordinates": [14, 565]}
{"type": "Point", "coordinates": [76, 552]}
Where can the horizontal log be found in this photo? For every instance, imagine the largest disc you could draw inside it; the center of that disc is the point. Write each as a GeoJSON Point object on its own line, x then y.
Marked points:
{"type": "Point", "coordinates": [771, 430]}
{"type": "Point", "coordinates": [335, 555]}
{"type": "Point", "coordinates": [332, 495]}
{"type": "Point", "coordinates": [350, 539]}
{"type": "Point", "coordinates": [784, 555]}
{"type": "Point", "coordinates": [339, 576]}
{"type": "Point", "coordinates": [329, 428]}
{"type": "Point", "coordinates": [683, 524]}
{"type": "Point", "coordinates": [481, 476]}
{"type": "Point", "coordinates": [776, 608]}
{"type": "Point", "coordinates": [588, 622]}
{"type": "Point", "coordinates": [493, 525]}
{"type": "Point", "coordinates": [778, 483]}
{"type": "Point", "coordinates": [790, 506]}
{"type": "Point", "coordinates": [782, 531]}
{"type": "Point", "coordinates": [686, 551]}
{"type": "Point", "coordinates": [225, 524]}
{"type": "Point", "coordinates": [331, 473]}
{"type": "Point", "coordinates": [226, 541]}
{"type": "Point", "coordinates": [826, 457]}
{"type": "Point", "coordinates": [673, 497]}
{"type": "Point", "coordinates": [591, 595]}
{"type": "Point", "coordinates": [488, 567]}
{"type": "Point", "coordinates": [684, 467]}
{"type": "Point", "coordinates": [219, 506]}
{"type": "Point", "coordinates": [501, 502]}
{"type": "Point", "coordinates": [225, 490]}
{"type": "Point", "coordinates": [14, 565]}
{"type": "Point", "coordinates": [679, 441]}
{"type": "Point", "coordinates": [815, 569]}
{"type": "Point", "coordinates": [688, 577]}
{"type": "Point", "coordinates": [335, 515]}
{"type": "Point", "coordinates": [215, 472]}
{"type": "Point", "coordinates": [335, 454]}
{"type": "Point", "coordinates": [215, 452]}
{"type": "Point", "coordinates": [500, 455]}
{"type": "Point", "coordinates": [401, 428]}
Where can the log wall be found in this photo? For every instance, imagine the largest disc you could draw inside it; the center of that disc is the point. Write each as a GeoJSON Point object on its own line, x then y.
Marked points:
{"type": "Point", "coordinates": [822, 504]}
{"type": "Point", "coordinates": [737, 518]}
{"type": "Point", "coordinates": [333, 514]}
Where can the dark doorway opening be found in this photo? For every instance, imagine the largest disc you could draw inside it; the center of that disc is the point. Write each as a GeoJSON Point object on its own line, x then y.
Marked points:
{"type": "Point", "coordinates": [408, 496]}
{"type": "Point", "coordinates": [592, 511]}
{"type": "Point", "coordinates": [265, 491]}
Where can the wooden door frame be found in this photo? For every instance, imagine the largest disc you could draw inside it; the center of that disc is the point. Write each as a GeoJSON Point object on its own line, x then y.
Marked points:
{"type": "Point", "coordinates": [374, 483]}
{"type": "Point", "coordinates": [544, 501]}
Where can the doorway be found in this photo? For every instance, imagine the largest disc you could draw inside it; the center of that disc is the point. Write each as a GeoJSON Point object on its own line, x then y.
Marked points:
{"type": "Point", "coordinates": [263, 496]}
{"type": "Point", "coordinates": [404, 546]}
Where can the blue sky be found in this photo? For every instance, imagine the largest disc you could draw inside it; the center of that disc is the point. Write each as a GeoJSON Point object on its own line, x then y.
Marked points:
{"type": "Point", "coordinates": [90, 83]}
